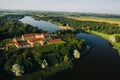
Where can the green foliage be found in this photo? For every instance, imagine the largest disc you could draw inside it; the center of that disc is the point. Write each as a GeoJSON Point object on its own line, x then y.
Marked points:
{"type": "Point", "coordinates": [31, 58]}
{"type": "Point", "coordinates": [66, 58]}
{"type": "Point", "coordinates": [10, 27]}
{"type": "Point", "coordinates": [117, 37]}
{"type": "Point", "coordinates": [3, 42]}
{"type": "Point", "coordinates": [86, 25]}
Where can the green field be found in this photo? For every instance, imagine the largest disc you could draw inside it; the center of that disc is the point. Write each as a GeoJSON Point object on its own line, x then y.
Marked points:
{"type": "Point", "coordinates": [98, 19]}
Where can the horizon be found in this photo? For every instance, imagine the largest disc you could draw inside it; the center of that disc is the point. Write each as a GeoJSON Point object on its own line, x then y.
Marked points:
{"type": "Point", "coordinates": [86, 6]}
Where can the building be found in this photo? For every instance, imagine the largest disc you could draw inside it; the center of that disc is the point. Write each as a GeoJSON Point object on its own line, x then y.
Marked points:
{"type": "Point", "coordinates": [32, 36]}
{"type": "Point", "coordinates": [46, 37]}
{"type": "Point", "coordinates": [36, 42]}
{"type": "Point", "coordinates": [51, 41]}
{"type": "Point", "coordinates": [33, 39]}
{"type": "Point", "coordinates": [21, 44]}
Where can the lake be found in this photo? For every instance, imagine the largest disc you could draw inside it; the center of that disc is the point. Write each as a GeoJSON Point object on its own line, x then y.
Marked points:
{"type": "Point", "coordinates": [40, 24]}
{"type": "Point", "coordinates": [101, 61]}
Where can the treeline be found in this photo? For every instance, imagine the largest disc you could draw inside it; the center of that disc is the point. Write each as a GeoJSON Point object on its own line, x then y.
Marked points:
{"type": "Point", "coordinates": [94, 15]}
{"type": "Point", "coordinates": [10, 27]}
{"type": "Point", "coordinates": [85, 25]}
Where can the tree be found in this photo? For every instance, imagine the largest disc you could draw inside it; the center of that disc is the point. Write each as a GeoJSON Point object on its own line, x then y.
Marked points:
{"type": "Point", "coordinates": [76, 54]}
{"type": "Point", "coordinates": [117, 37]}
{"type": "Point", "coordinates": [44, 64]}
{"type": "Point", "coordinates": [66, 58]}
{"type": "Point", "coordinates": [17, 69]}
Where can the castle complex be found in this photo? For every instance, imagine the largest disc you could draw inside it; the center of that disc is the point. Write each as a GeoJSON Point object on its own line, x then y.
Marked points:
{"type": "Point", "coordinates": [33, 39]}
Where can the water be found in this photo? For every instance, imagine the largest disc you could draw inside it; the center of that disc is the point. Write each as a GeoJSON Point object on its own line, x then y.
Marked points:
{"type": "Point", "coordinates": [101, 62]}
{"type": "Point", "coordinates": [40, 24]}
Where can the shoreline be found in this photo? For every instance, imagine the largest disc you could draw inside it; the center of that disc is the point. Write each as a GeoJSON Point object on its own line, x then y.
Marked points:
{"type": "Point", "coordinates": [61, 26]}
{"type": "Point", "coordinates": [65, 27]}
{"type": "Point", "coordinates": [106, 37]}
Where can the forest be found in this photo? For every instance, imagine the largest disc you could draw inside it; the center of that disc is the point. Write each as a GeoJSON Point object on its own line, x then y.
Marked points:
{"type": "Point", "coordinates": [10, 27]}
{"type": "Point", "coordinates": [40, 61]}
{"type": "Point", "coordinates": [59, 57]}
{"type": "Point", "coordinates": [85, 25]}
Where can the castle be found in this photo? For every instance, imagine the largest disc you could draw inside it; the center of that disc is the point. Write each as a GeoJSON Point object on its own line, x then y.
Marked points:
{"type": "Point", "coordinates": [33, 39]}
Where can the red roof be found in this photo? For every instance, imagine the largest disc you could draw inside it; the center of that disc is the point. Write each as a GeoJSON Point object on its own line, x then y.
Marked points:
{"type": "Point", "coordinates": [54, 40]}
{"type": "Point", "coordinates": [46, 34]}
{"type": "Point", "coordinates": [36, 39]}
{"type": "Point", "coordinates": [26, 35]}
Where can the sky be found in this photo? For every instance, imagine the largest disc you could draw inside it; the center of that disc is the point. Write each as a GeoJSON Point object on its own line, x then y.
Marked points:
{"type": "Point", "coordinates": [92, 6]}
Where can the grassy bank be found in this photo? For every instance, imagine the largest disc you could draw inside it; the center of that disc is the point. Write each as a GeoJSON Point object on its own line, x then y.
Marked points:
{"type": "Point", "coordinates": [106, 36]}
{"type": "Point", "coordinates": [65, 28]}
{"type": "Point", "coordinates": [61, 26]}
{"type": "Point", "coordinates": [103, 35]}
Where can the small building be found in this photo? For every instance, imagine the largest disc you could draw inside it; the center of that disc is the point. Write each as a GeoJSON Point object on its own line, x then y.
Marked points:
{"type": "Point", "coordinates": [36, 42]}
{"type": "Point", "coordinates": [32, 36]}
{"type": "Point", "coordinates": [51, 41]}
{"type": "Point", "coordinates": [10, 43]}
{"type": "Point", "coordinates": [22, 44]}
{"type": "Point", "coordinates": [15, 39]}
{"type": "Point", "coordinates": [46, 37]}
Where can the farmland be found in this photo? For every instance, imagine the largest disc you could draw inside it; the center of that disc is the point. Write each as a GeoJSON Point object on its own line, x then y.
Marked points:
{"type": "Point", "coordinates": [97, 19]}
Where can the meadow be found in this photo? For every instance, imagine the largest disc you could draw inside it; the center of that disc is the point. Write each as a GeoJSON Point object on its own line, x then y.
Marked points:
{"type": "Point", "coordinates": [98, 19]}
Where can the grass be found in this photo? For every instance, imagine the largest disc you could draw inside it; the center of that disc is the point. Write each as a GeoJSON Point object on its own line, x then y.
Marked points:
{"type": "Point", "coordinates": [40, 15]}
{"type": "Point", "coordinates": [47, 47]}
{"type": "Point", "coordinates": [65, 28]}
{"type": "Point", "coordinates": [103, 35]}
{"type": "Point", "coordinates": [61, 26]}
{"type": "Point", "coordinates": [98, 19]}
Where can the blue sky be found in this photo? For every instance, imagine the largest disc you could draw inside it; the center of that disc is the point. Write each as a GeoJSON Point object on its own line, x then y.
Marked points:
{"type": "Point", "coordinates": [96, 6]}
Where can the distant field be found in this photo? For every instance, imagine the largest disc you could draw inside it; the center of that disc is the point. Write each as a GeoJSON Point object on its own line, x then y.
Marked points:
{"type": "Point", "coordinates": [65, 28]}
{"type": "Point", "coordinates": [98, 19]}
{"type": "Point", "coordinates": [40, 15]}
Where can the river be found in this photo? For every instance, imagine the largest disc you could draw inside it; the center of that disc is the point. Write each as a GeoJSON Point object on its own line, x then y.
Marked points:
{"type": "Point", "coordinates": [40, 24]}
{"type": "Point", "coordinates": [101, 61]}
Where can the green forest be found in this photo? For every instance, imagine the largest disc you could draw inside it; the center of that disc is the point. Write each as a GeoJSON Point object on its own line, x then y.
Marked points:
{"type": "Point", "coordinates": [57, 57]}
{"type": "Point", "coordinates": [10, 27]}
{"type": "Point", "coordinates": [86, 25]}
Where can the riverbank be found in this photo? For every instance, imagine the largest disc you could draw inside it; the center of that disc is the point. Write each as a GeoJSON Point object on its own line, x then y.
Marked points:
{"type": "Point", "coordinates": [65, 28]}
{"type": "Point", "coordinates": [61, 26]}
{"type": "Point", "coordinates": [106, 36]}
